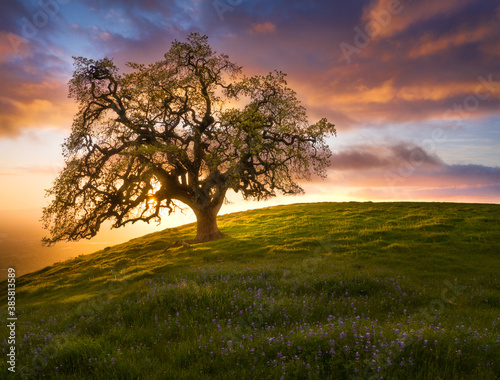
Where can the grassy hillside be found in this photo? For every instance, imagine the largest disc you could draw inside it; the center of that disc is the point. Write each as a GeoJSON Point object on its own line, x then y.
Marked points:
{"type": "Point", "coordinates": [325, 290]}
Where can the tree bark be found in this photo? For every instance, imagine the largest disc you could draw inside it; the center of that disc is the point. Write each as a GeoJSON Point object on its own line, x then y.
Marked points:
{"type": "Point", "coordinates": [207, 228]}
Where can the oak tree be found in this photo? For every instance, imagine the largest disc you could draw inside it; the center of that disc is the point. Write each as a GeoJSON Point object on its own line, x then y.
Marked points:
{"type": "Point", "coordinates": [183, 130]}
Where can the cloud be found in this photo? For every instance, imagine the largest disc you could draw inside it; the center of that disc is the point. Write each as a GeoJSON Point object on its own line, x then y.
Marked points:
{"type": "Point", "coordinates": [407, 164]}
{"type": "Point", "coordinates": [11, 45]}
{"type": "Point", "coordinates": [404, 14]}
{"type": "Point", "coordinates": [483, 174]}
{"type": "Point", "coordinates": [368, 157]}
{"type": "Point", "coordinates": [407, 171]}
{"type": "Point", "coordinates": [404, 174]}
{"type": "Point", "coordinates": [39, 104]}
{"type": "Point", "coordinates": [430, 44]}
{"type": "Point", "coordinates": [34, 73]}
{"type": "Point", "coordinates": [263, 28]}
{"type": "Point", "coordinates": [426, 60]}
{"type": "Point", "coordinates": [422, 63]}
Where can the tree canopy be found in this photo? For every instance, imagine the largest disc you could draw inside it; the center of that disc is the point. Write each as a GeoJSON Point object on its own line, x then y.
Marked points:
{"type": "Point", "coordinates": [185, 129]}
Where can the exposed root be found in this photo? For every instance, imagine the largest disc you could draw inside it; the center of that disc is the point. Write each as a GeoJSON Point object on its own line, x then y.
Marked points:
{"type": "Point", "coordinates": [189, 243]}
{"type": "Point", "coordinates": [179, 243]}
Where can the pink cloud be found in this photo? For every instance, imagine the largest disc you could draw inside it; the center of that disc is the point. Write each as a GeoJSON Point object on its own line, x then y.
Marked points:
{"type": "Point", "coordinates": [35, 105]}
{"type": "Point", "coordinates": [408, 172]}
{"type": "Point", "coordinates": [430, 44]}
{"type": "Point", "coordinates": [395, 16]}
{"type": "Point", "coordinates": [263, 28]}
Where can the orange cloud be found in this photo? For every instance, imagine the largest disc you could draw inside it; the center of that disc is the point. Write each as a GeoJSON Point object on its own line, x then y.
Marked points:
{"type": "Point", "coordinates": [263, 28]}
{"type": "Point", "coordinates": [406, 14]}
{"type": "Point", "coordinates": [436, 91]}
{"type": "Point", "coordinates": [349, 99]}
{"type": "Point", "coordinates": [36, 105]}
{"type": "Point", "coordinates": [384, 93]}
{"type": "Point", "coordinates": [428, 44]}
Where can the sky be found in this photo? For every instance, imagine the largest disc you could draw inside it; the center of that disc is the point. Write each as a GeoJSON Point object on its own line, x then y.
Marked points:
{"type": "Point", "coordinates": [413, 88]}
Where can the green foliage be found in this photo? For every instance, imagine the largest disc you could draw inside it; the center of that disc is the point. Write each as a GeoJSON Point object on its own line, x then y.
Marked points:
{"type": "Point", "coordinates": [325, 290]}
{"type": "Point", "coordinates": [169, 132]}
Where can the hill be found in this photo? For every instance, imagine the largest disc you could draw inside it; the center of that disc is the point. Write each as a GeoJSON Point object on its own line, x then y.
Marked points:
{"type": "Point", "coordinates": [324, 290]}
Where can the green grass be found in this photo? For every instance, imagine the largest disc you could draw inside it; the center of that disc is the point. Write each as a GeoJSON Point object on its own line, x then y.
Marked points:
{"type": "Point", "coordinates": [306, 291]}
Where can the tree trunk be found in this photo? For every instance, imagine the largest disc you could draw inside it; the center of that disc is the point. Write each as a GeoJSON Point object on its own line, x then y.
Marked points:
{"type": "Point", "coordinates": [207, 229]}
